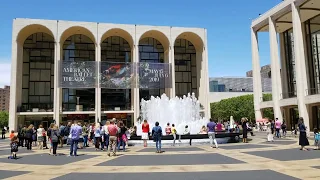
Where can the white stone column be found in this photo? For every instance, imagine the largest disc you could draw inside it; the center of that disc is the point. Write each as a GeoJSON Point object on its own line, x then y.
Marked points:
{"type": "Point", "coordinates": [13, 124]}
{"type": "Point", "coordinates": [257, 88]}
{"type": "Point", "coordinates": [173, 71]}
{"type": "Point", "coordinates": [136, 89]}
{"type": "Point", "coordinates": [275, 69]}
{"type": "Point", "coordinates": [299, 54]}
{"type": "Point", "coordinates": [57, 91]}
{"type": "Point", "coordinates": [98, 88]}
{"type": "Point", "coordinates": [205, 66]}
{"type": "Point", "coordinates": [284, 75]}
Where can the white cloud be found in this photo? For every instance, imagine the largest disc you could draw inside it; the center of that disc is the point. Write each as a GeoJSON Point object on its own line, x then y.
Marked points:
{"type": "Point", "coordinates": [5, 73]}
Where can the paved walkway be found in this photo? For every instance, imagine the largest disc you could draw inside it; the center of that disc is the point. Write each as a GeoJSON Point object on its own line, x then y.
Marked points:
{"type": "Point", "coordinates": [255, 160]}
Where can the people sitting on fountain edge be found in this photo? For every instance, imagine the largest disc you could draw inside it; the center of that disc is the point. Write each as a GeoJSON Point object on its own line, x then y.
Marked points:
{"type": "Point", "coordinates": [203, 130]}
{"type": "Point", "coordinates": [168, 129]}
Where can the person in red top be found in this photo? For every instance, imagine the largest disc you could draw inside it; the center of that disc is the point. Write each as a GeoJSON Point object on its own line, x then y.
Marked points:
{"type": "Point", "coordinates": [168, 129]}
{"type": "Point", "coordinates": [113, 131]}
{"type": "Point", "coordinates": [145, 132]}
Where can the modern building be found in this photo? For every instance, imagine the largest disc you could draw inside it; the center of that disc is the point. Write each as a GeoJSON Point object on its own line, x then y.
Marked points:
{"type": "Point", "coordinates": [227, 87]}
{"type": "Point", "coordinates": [4, 98]}
{"type": "Point", "coordinates": [40, 48]}
{"type": "Point", "coordinates": [293, 27]}
{"type": "Point", "coordinates": [265, 72]}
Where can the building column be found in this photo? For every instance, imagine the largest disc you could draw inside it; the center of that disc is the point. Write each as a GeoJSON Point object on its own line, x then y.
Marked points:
{"type": "Point", "coordinates": [299, 53]}
{"type": "Point", "coordinates": [257, 88]}
{"type": "Point", "coordinates": [13, 124]}
{"type": "Point", "coordinates": [284, 75]}
{"type": "Point", "coordinates": [98, 88]}
{"type": "Point", "coordinates": [57, 90]}
{"type": "Point", "coordinates": [136, 112]}
{"type": "Point", "coordinates": [173, 71]}
{"type": "Point", "coordinates": [275, 69]}
{"type": "Point", "coordinates": [205, 66]}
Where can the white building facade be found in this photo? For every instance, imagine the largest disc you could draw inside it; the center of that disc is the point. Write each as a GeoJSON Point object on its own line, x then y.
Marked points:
{"type": "Point", "coordinates": [294, 31]}
{"type": "Point", "coordinates": [38, 46]}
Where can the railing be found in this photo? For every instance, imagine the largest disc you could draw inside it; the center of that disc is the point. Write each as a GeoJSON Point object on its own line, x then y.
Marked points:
{"type": "Point", "coordinates": [312, 91]}
{"type": "Point", "coordinates": [288, 95]}
{"type": "Point", "coordinates": [34, 109]}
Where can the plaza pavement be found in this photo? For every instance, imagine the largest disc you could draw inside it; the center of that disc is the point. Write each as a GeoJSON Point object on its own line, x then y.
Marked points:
{"type": "Point", "coordinates": [256, 160]}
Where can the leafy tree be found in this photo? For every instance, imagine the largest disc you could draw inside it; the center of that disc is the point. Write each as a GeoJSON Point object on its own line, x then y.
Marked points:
{"type": "Point", "coordinates": [238, 107]}
{"type": "Point", "coordinates": [4, 118]}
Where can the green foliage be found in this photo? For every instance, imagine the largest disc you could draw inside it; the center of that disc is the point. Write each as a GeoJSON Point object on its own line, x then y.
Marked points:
{"type": "Point", "coordinates": [238, 107]}
{"type": "Point", "coordinates": [4, 118]}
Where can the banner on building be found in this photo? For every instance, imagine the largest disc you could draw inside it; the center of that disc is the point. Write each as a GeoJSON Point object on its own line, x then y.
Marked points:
{"type": "Point", "coordinates": [117, 75]}
{"type": "Point", "coordinates": [81, 74]}
{"type": "Point", "coordinates": [154, 75]}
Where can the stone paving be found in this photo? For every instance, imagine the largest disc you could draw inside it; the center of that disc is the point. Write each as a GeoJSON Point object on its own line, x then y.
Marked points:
{"type": "Point", "coordinates": [255, 160]}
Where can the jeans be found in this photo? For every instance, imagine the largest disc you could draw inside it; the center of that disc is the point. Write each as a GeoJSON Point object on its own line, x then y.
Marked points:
{"type": "Point", "coordinates": [3, 136]}
{"type": "Point", "coordinates": [284, 132]}
{"type": "Point", "coordinates": [54, 147]}
{"type": "Point", "coordinates": [85, 141]}
{"type": "Point", "coordinates": [158, 144]}
{"type": "Point", "coordinates": [29, 143]}
{"type": "Point", "coordinates": [278, 133]}
{"type": "Point", "coordinates": [212, 137]}
{"type": "Point", "coordinates": [105, 141]}
{"type": "Point", "coordinates": [97, 142]}
{"type": "Point", "coordinates": [174, 139]}
{"type": "Point", "coordinates": [74, 147]}
{"type": "Point", "coordinates": [121, 143]}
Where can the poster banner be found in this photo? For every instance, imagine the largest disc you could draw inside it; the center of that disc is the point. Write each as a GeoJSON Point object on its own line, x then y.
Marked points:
{"type": "Point", "coordinates": [117, 75]}
{"type": "Point", "coordinates": [81, 74]}
{"type": "Point", "coordinates": [154, 75]}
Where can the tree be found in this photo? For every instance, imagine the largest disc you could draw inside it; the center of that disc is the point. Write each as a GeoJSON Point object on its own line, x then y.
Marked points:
{"type": "Point", "coordinates": [4, 118]}
{"type": "Point", "coordinates": [238, 107]}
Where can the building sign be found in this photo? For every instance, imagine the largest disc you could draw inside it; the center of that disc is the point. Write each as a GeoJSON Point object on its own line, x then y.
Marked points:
{"type": "Point", "coordinates": [115, 75]}
{"type": "Point", "coordinates": [154, 75]}
{"type": "Point", "coordinates": [80, 74]}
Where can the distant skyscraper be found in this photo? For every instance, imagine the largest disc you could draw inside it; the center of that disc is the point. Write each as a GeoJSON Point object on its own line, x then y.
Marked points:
{"type": "Point", "coordinates": [265, 72]}
{"type": "Point", "coordinates": [4, 98]}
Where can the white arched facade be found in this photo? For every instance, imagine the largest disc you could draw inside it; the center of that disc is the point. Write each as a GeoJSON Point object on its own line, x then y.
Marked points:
{"type": "Point", "coordinates": [98, 32]}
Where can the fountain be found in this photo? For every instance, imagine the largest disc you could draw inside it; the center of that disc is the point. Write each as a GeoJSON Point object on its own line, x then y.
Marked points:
{"type": "Point", "coordinates": [179, 111]}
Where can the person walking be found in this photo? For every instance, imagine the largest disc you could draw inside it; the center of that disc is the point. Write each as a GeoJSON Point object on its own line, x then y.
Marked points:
{"type": "Point", "coordinates": [62, 129]}
{"type": "Point", "coordinates": [145, 133]}
{"type": "Point", "coordinates": [211, 133]}
{"type": "Point", "coordinates": [106, 134]}
{"type": "Point", "coordinates": [49, 136]}
{"type": "Point", "coordinates": [113, 131]}
{"type": "Point", "coordinates": [29, 133]}
{"type": "Point", "coordinates": [75, 132]}
{"type": "Point", "coordinates": [40, 132]}
{"type": "Point", "coordinates": [303, 140]}
{"type": "Point", "coordinates": [174, 134]}
{"type": "Point", "coordinates": [278, 127]}
{"type": "Point", "coordinates": [3, 133]}
{"type": "Point", "coordinates": [54, 139]}
{"type": "Point", "coordinates": [97, 136]}
{"type": "Point", "coordinates": [85, 133]}
{"type": "Point", "coordinates": [284, 128]}
{"type": "Point", "coordinates": [156, 135]}
{"type": "Point", "coordinates": [269, 132]}
{"type": "Point", "coordinates": [244, 130]}
{"type": "Point", "coordinates": [122, 138]}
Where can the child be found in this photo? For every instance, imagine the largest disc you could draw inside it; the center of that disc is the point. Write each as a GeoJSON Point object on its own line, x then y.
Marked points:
{"type": "Point", "coordinates": [14, 147]}
{"type": "Point", "coordinates": [11, 134]}
{"type": "Point", "coordinates": [316, 139]}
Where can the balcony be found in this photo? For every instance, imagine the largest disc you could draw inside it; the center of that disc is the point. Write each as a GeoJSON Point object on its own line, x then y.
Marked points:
{"type": "Point", "coordinates": [288, 95]}
{"type": "Point", "coordinates": [312, 91]}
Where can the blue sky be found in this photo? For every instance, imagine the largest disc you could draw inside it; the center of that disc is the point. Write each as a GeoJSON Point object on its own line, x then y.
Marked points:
{"type": "Point", "coordinates": [227, 22]}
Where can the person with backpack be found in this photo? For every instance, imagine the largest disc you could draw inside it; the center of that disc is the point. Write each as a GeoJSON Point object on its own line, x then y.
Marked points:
{"type": "Point", "coordinates": [156, 135]}
{"type": "Point", "coordinates": [284, 128]}
{"type": "Point", "coordinates": [28, 137]}
{"type": "Point", "coordinates": [54, 139]}
{"type": "Point", "coordinates": [61, 131]}
{"type": "Point", "coordinates": [85, 133]}
{"type": "Point", "coordinates": [22, 134]}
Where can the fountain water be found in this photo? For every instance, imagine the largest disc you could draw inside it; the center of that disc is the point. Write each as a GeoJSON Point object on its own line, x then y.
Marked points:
{"type": "Point", "coordinates": [179, 111]}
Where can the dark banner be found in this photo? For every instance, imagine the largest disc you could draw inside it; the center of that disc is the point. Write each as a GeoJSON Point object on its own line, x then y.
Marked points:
{"type": "Point", "coordinates": [80, 74]}
{"type": "Point", "coordinates": [115, 75]}
{"type": "Point", "coordinates": [154, 75]}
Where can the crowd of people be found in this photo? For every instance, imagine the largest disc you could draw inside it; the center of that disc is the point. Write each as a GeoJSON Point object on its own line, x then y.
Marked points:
{"type": "Point", "coordinates": [114, 134]}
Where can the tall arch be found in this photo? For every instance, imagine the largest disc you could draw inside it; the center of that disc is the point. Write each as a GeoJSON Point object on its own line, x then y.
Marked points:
{"type": "Point", "coordinates": [77, 30]}
{"type": "Point", "coordinates": [77, 48]}
{"type": "Point", "coordinates": [38, 73]}
{"type": "Point", "coordinates": [188, 57]}
{"type": "Point", "coordinates": [25, 32]}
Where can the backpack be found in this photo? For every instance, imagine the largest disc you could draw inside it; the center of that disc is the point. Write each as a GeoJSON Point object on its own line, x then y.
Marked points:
{"type": "Point", "coordinates": [49, 132]}
{"type": "Point", "coordinates": [54, 137]}
{"type": "Point", "coordinates": [317, 137]}
{"type": "Point", "coordinates": [22, 132]}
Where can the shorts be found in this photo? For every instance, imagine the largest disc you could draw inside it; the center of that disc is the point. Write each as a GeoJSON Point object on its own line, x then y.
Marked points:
{"type": "Point", "coordinates": [145, 136]}
{"type": "Point", "coordinates": [14, 150]}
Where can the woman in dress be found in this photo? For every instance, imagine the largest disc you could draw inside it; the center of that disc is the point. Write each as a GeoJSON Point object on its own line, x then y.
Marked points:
{"type": "Point", "coordinates": [244, 130]}
{"type": "Point", "coordinates": [269, 133]}
{"type": "Point", "coordinates": [145, 132]}
{"type": "Point", "coordinates": [303, 140]}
